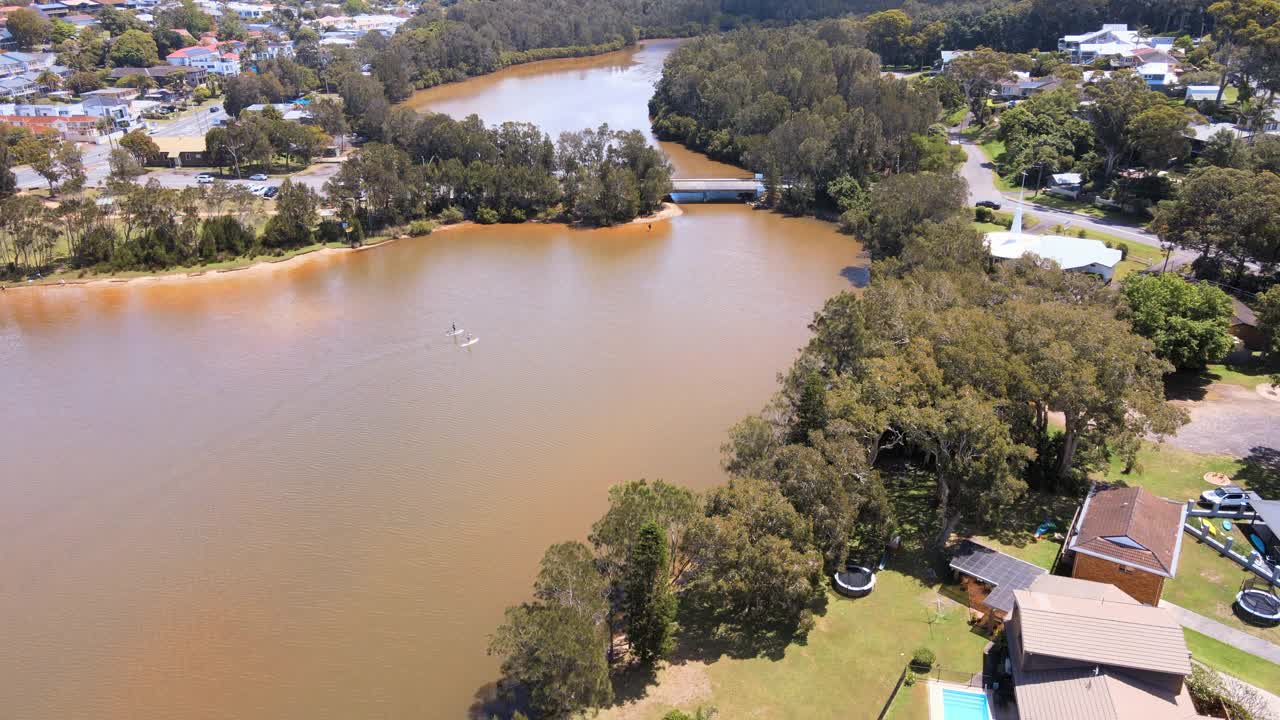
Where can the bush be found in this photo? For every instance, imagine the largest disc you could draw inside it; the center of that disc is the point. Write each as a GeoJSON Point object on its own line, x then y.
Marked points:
{"type": "Point", "coordinates": [983, 214]}
{"type": "Point", "coordinates": [451, 215]}
{"type": "Point", "coordinates": [1124, 250]}
{"type": "Point", "coordinates": [922, 658]}
{"type": "Point", "coordinates": [421, 227]}
{"type": "Point", "coordinates": [486, 216]}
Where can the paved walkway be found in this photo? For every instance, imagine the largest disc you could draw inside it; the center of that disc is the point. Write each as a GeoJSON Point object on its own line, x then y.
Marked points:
{"type": "Point", "coordinates": [1238, 639]}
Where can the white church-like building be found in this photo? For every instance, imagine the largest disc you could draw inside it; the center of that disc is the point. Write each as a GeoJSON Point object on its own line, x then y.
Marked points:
{"type": "Point", "coordinates": [1070, 253]}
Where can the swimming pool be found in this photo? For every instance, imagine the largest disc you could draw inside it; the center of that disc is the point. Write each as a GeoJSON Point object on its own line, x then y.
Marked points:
{"type": "Point", "coordinates": [961, 705]}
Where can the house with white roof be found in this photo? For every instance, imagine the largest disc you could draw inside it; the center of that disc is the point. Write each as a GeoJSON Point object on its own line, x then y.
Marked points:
{"type": "Point", "coordinates": [249, 11]}
{"type": "Point", "coordinates": [1202, 93]}
{"type": "Point", "coordinates": [1125, 47]}
{"type": "Point", "coordinates": [1070, 253]}
{"type": "Point", "coordinates": [210, 59]}
{"type": "Point", "coordinates": [1158, 75]}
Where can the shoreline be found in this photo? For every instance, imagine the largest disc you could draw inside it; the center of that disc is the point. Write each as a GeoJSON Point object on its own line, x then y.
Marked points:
{"type": "Point", "coordinates": [262, 265]}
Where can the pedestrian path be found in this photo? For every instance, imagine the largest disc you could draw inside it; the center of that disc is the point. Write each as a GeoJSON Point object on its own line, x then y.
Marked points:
{"type": "Point", "coordinates": [1237, 639]}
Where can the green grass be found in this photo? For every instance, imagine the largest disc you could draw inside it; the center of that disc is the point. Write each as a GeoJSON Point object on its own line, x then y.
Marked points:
{"type": "Point", "coordinates": [1042, 552]}
{"type": "Point", "coordinates": [992, 148]}
{"type": "Point", "coordinates": [1246, 376]}
{"type": "Point", "coordinates": [989, 227]}
{"type": "Point", "coordinates": [911, 703]}
{"type": "Point", "coordinates": [1060, 203]}
{"type": "Point", "coordinates": [954, 117]}
{"type": "Point", "coordinates": [851, 660]}
{"type": "Point", "coordinates": [1230, 661]}
{"type": "Point", "coordinates": [1206, 583]}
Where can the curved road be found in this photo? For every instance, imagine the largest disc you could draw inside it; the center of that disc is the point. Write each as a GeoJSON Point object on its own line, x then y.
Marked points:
{"type": "Point", "coordinates": [980, 174]}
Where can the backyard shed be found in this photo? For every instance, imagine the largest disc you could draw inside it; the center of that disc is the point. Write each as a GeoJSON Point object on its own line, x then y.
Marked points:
{"type": "Point", "coordinates": [990, 577]}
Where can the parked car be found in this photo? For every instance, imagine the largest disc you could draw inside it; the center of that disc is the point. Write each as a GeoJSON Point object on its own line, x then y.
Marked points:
{"type": "Point", "coordinates": [988, 204]}
{"type": "Point", "coordinates": [257, 189]}
{"type": "Point", "coordinates": [257, 177]}
{"type": "Point", "coordinates": [270, 192]}
{"type": "Point", "coordinates": [214, 109]}
{"type": "Point", "coordinates": [1227, 497]}
{"type": "Point", "coordinates": [204, 178]}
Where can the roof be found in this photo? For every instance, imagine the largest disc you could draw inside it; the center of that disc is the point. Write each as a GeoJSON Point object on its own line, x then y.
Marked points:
{"type": "Point", "coordinates": [1070, 253]}
{"type": "Point", "coordinates": [1093, 631]}
{"type": "Point", "coordinates": [1206, 92]}
{"type": "Point", "coordinates": [1204, 132]}
{"type": "Point", "coordinates": [1083, 589]}
{"type": "Point", "coordinates": [1067, 178]}
{"type": "Point", "coordinates": [173, 144]}
{"type": "Point", "coordinates": [1268, 510]}
{"type": "Point", "coordinates": [1130, 526]}
{"type": "Point", "coordinates": [156, 71]}
{"type": "Point", "coordinates": [1005, 572]}
{"type": "Point", "coordinates": [45, 119]}
{"type": "Point", "coordinates": [1082, 694]}
{"type": "Point", "coordinates": [1242, 314]}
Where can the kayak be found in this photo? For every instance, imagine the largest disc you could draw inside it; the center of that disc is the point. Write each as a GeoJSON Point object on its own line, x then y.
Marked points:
{"type": "Point", "coordinates": [470, 342]}
{"type": "Point", "coordinates": [451, 333]}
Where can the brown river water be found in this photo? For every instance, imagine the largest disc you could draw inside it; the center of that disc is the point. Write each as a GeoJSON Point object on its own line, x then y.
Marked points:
{"type": "Point", "coordinates": [288, 495]}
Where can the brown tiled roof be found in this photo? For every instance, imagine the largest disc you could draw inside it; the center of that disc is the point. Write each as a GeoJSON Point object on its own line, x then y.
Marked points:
{"type": "Point", "coordinates": [1130, 526]}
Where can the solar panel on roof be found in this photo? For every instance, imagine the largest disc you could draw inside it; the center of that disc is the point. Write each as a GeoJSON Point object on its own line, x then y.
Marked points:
{"type": "Point", "coordinates": [1005, 572]}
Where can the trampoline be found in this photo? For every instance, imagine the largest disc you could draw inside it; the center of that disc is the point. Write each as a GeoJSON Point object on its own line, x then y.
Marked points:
{"type": "Point", "coordinates": [1258, 604]}
{"type": "Point", "coordinates": [856, 581]}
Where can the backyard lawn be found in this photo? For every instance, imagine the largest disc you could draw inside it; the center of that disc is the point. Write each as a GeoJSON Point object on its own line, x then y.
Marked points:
{"type": "Point", "coordinates": [847, 668]}
{"type": "Point", "coordinates": [1246, 376]}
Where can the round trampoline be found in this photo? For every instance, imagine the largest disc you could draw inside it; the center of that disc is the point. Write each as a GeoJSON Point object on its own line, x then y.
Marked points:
{"type": "Point", "coordinates": [856, 581]}
{"type": "Point", "coordinates": [1258, 606]}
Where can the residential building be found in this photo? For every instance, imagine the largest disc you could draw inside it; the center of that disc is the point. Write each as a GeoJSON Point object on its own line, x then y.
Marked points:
{"type": "Point", "coordinates": [361, 24]}
{"type": "Point", "coordinates": [1083, 650]}
{"type": "Point", "coordinates": [249, 11]}
{"type": "Point", "coordinates": [17, 63]}
{"type": "Point", "coordinates": [18, 87]}
{"type": "Point", "coordinates": [1070, 253]}
{"type": "Point", "coordinates": [52, 9]}
{"type": "Point", "coordinates": [210, 59]}
{"type": "Point", "coordinates": [1023, 85]}
{"type": "Point", "coordinates": [1067, 185]}
{"type": "Point", "coordinates": [1128, 537]}
{"type": "Point", "coordinates": [81, 20]}
{"type": "Point", "coordinates": [277, 49]}
{"type": "Point", "coordinates": [1117, 43]}
{"type": "Point", "coordinates": [77, 128]}
{"type": "Point", "coordinates": [1202, 93]}
{"type": "Point", "coordinates": [1158, 75]}
{"type": "Point", "coordinates": [171, 76]}
{"type": "Point", "coordinates": [294, 111]}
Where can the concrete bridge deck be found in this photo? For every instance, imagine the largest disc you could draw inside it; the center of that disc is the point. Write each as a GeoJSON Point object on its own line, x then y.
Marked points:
{"type": "Point", "coordinates": [716, 189]}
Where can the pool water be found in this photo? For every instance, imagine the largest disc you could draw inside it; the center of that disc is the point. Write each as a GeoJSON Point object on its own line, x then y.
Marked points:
{"type": "Point", "coordinates": [960, 705]}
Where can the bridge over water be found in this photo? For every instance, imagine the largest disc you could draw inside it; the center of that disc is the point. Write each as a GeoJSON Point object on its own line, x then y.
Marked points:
{"type": "Point", "coordinates": [701, 190]}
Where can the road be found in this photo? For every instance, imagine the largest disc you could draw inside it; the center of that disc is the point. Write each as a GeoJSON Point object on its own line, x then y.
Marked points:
{"type": "Point", "coordinates": [980, 175]}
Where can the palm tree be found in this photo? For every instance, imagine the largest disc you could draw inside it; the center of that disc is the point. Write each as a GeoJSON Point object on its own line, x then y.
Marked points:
{"type": "Point", "coordinates": [49, 80]}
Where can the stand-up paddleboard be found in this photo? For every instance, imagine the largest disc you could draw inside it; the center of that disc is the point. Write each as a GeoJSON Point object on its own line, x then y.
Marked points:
{"type": "Point", "coordinates": [452, 333]}
{"type": "Point", "coordinates": [470, 342]}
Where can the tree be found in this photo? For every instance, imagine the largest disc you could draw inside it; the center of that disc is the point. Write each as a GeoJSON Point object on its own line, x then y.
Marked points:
{"type": "Point", "coordinates": [1115, 101]}
{"type": "Point", "coordinates": [296, 217]}
{"type": "Point", "coordinates": [756, 567]}
{"type": "Point", "coordinates": [1225, 213]}
{"type": "Point", "coordinates": [637, 503]}
{"type": "Point", "coordinates": [810, 410]}
{"type": "Point", "coordinates": [123, 165]}
{"type": "Point", "coordinates": [238, 144]}
{"type": "Point", "coordinates": [1269, 323]}
{"type": "Point", "coordinates": [1225, 149]}
{"type": "Point", "coordinates": [134, 48]}
{"type": "Point", "coordinates": [8, 181]}
{"type": "Point", "coordinates": [139, 145]}
{"type": "Point", "coordinates": [28, 27]}
{"type": "Point", "coordinates": [1187, 322]}
{"type": "Point", "coordinates": [187, 16]}
{"type": "Point", "coordinates": [554, 647]}
{"type": "Point", "coordinates": [648, 602]}
{"type": "Point", "coordinates": [977, 73]}
{"type": "Point", "coordinates": [901, 203]}
{"type": "Point", "coordinates": [82, 82]}
{"type": "Point", "coordinates": [1158, 135]}
{"type": "Point", "coordinates": [887, 34]}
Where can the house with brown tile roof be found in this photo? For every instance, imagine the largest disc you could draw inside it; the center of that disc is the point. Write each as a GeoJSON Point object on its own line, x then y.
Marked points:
{"type": "Point", "coordinates": [1082, 650]}
{"type": "Point", "coordinates": [1127, 537]}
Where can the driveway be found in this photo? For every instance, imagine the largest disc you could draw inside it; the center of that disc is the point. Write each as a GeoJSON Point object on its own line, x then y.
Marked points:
{"type": "Point", "coordinates": [1229, 420]}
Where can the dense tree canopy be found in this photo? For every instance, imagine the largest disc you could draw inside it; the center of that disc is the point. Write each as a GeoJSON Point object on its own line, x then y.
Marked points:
{"type": "Point", "coordinates": [1186, 321]}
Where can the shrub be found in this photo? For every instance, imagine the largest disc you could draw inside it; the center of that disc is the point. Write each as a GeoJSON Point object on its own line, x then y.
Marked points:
{"type": "Point", "coordinates": [922, 658]}
{"type": "Point", "coordinates": [486, 216]}
{"type": "Point", "coordinates": [909, 680]}
{"type": "Point", "coordinates": [1124, 250]}
{"type": "Point", "coordinates": [983, 214]}
{"type": "Point", "coordinates": [451, 215]}
{"type": "Point", "coordinates": [421, 227]}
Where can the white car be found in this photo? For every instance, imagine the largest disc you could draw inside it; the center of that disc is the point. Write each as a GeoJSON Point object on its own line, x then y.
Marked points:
{"type": "Point", "coordinates": [258, 177]}
{"type": "Point", "coordinates": [204, 178]}
{"type": "Point", "coordinates": [257, 189]}
{"type": "Point", "coordinates": [1226, 497]}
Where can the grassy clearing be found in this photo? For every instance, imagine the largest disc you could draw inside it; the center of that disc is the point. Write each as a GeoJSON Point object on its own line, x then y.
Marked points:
{"type": "Point", "coordinates": [1230, 661]}
{"type": "Point", "coordinates": [955, 117]}
{"type": "Point", "coordinates": [911, 703]}
{"type": "Point", "coordinates": [992, 148]}
{"type": "Point", "coordinates": [1075, 206]}
{"type": "Point", "coordinates": [1206, 582]}
{"type": "Point", "coordinates": [1246, 376]}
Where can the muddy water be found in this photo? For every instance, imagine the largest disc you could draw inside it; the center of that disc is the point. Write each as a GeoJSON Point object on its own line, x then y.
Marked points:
{"type": "Point", "coordinates": [288, 495]}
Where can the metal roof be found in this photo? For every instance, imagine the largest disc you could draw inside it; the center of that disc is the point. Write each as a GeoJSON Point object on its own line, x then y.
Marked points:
{"type": "Point", "coordinates": [1101, 694]}
{"type": "Point", "coordinates": [1005, 572]}
{"type": "Point", "coordinates": [1101, 632]}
